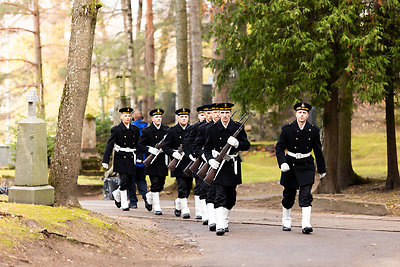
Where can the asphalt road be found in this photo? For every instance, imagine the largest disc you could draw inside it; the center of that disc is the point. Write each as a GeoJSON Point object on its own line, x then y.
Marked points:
{"type": "Point", "coordinates": [256, 238]}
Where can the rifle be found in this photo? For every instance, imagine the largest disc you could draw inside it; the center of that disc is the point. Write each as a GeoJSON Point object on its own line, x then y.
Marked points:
{"type": "Point", "coordinates": [174, 162]}
{"type": "Point", "coordinates": [225, 150]}
{"type": "Point", "coordinates": [151, 158]}
{"type": "Point", "coordinates": [187, 170]}
{"type": "Point", "coordinates": [203, 170]}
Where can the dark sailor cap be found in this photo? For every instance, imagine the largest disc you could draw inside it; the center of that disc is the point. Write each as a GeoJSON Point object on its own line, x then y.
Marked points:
{"type": "Point", "coordinates": [225, 106]}
{"type": "Point", "coordinates": [182, 111]}
{"type": "Point", "coordinates": [302, 106]}
{"type": "Point", "coordinates": [157, 111]}
{"type": "Point", "coordinates": [207, 107]}
{"type": "Point", "coordinates": [126, 110]}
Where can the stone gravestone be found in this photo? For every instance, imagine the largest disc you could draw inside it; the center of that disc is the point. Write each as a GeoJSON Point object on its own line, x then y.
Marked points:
{"type": "Point", "coordinates": [31, 174]}
{"type": "Point", "coordinates": [89, 138]}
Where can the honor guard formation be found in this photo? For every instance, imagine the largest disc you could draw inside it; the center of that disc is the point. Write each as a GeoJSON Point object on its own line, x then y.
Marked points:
{"type": "Point", "coordinates": [207, 152]}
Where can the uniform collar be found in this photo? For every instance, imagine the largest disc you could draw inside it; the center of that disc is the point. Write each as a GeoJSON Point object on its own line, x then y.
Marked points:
{"type": "Point", "coordinates": [155, 127]}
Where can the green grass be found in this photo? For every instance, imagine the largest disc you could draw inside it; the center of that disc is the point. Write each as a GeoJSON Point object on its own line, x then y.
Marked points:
{"type": "Point", "coordinates": [260, 167]}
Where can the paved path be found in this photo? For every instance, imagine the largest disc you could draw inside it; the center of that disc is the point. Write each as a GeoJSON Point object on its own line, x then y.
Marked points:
{"type": "Point", "coordinates": [256, 238]}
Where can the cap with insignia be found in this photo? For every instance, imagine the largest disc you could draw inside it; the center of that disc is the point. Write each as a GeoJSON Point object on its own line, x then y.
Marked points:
{"type": "Point", "coordinates": [182, 111]}
{"type": "Point", "coordinates": [125, 110]}
{"type": "Point", "coordinates": [225, 106]}
{"type": "Point", "coordinates": [157, 111]}
{"type": "Point", "coordinates": [207, 107]}
{"type": "Point", "coordinates": [214, 106]}
{"type": "Point", "coordinates": [302, 106]}
{"type": "Point", "coordinates": [200, 109]}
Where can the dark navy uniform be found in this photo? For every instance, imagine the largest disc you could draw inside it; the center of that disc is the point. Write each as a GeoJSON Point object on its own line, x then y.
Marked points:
{"type": "Point", "coordinates": [124, 164]}
{"type": "Point", "coordinates": [158, 170]}
{"type": "Point", "coordinates": [302, 170]}
{"type": "Point", "coordinates": [230, 174]}
{"type": "Point", "coordinates": [175, 138]}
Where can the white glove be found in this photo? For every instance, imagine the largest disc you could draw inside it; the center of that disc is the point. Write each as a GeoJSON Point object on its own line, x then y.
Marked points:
{"type": "Point", "coordinates": [322, 175]}
{"type": "Point", "coordinates": [233, 141]}
{"type": "Point", "coordinates": [105, 165]}
{"type": "Point", "coordinates": [192, 158]}
{"type": "Point", "coordinates": [213, 163]}
{"type": "Point", "coordinates": [203, 157]}
{"type": "Point", "coordinates": [215, 153]}
{"type": "Point", "coordinates": [285, 167]}
{"type": "Point", "coordinates": [177, 155]}
{"type": "Point", "coordinates": [153, 150]}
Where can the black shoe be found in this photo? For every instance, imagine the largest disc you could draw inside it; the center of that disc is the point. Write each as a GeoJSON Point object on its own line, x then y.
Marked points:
{"type": "Point", "coordinates": [212, 227]}
{"type": "Point", "coordinates": [158, 212]}
{"type": "Point", "coordinates": [306, 230]}
{"type": "Point", "coordinates": [198, 217]}
{"type": "Point", "coordinates": [148, 206]}
{"type": "Point", "coordinates": [226, 229]}
{"type": "Point", "coordinates": [118, 204]}
{"type": "Point", "coordinates": [126, 209]}
{"type": "Point", "coordinates": [205, 222]}
{"type": "Point", "coordinates": [133, 205]}
{"type": "Point", "coordinates": [186, 216]}
{"type": "Point", "coordinates": [221, 231]}
{"type": "Point", "coordinates": [284, 228]}
{"type": "Point", "coordinates": [177, 213]}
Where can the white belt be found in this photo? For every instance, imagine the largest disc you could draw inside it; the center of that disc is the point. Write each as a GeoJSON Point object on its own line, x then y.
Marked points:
{"type": "Point", "coordinates": [299, 155]}
{"type": "Point", "coordinates": [228, 158]}
{"type": "Point", "coordinates": [117, 148]}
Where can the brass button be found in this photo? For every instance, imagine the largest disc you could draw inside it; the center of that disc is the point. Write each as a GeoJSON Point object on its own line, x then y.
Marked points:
{"type": "Point", "coordinates": [124, 157]}
{"type": "Point", "coordinates": [220, 138]}
{"type": "Point", "coordinates": [156, 136]}
{"type": "Point", "coordinates": [220, 147]}
{"type": "Point", "coordinates": [297, 131]}
{"type": "Point", "coordinates": [309, 130]}
{"type": "Point", "coordinates": [309, 138]}
{"type": "Point", "coordinates": [307, 147]}
{"type": "Point", "coordinates": [131, 157]}
{"type": "Point", "coordinates": [124, 136]}
{"type": "Point", "coordinates": [124, 143]}
{"type": "Point", "coordinates": [180, 137]}
{"type": "Point", "coordinates": [293, 164]}
{"type": "Point", "coordinates": [295, 147]}
{"type": "Point", "coordinates": [297, 138]}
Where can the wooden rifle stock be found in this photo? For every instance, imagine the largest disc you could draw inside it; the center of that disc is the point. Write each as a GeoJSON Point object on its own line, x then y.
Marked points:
{"type": "Point", "coordinates": [150, 157]}
{"type": "Point", "coordinates": [209, 178]}
{"type": "Point", "coordinates": [174, 161]}
{"type": "Point", "coordinates": [187, 170]}
{"type": "Point", "coordinates": [195, 165]}
{"type": "Point", "coordinates": [203, 170]}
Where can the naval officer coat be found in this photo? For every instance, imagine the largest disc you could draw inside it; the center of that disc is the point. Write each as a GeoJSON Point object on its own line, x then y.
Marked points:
{"type": "Point", "coordinates": [295, 140]}
{"type": "Point", "coordinates": [217, 138]}
{"type": "Point", "coordinates": [124, 138]}
{"type": "Point", "coordinates": [150, 137]}
{"type": "Point", "coordinates": [175, 138]}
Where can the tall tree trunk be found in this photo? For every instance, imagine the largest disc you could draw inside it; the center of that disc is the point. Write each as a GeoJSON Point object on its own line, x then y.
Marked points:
{"type": "Point", "coordinates": [345, 174]}
{"type": "Point", "coordinates": [149, 67]}
{"type": "Point", "coordinates": [330, 146]}
{"type": "Point", "coordinates": [183, 92]}
{"type": "Point", "coordinates": [139, 77]}
{"type": "Point", "coordinates": [127, 17]}
{"type": "Point", "coordinates": [164, 40]}
{"type": "Point", "coordinates": [65, 163]}
{"type": "Point", "coordinates": [38, 60]}
{"type": "Point", "coordinates": [220, 94]}
{"type": "Point", "coordinates": [393, 179]}
{"type": "Point", "coordinates": [196, 52]}
{"type": "Point", "coordinates": [101, 92]}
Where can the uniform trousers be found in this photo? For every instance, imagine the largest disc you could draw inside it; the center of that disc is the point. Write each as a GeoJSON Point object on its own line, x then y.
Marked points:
{"type": "Point", "coordinates": [184, 186]}
{"type": "Point", "coordinates": [138, 179]}
{"type": "Point", "coordinates": [197, 187]}
{"type": "Point", "coordinates": [126, 180]}
{"type": "Point", "coordinates": [157, 183]}
{"type": "Point", "coordinates": [202, 188]}
{"type": "Point", "coordinates": [225, 196]}
{"type": "Point", "coordinates": [210, 193]}
{"type": "Point", "coordinates": [305, 197]}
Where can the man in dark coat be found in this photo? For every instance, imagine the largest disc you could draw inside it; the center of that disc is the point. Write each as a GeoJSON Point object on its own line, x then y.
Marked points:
{"type": "Point", "coordinates": [158, 170]}
{"type": "Point", "coordinates": [207, 193]}
{"type": "Point", "coordinates": [298, 170]}
{"type": "Point", "coordinates": [229, 172]}
{"type": "Point", "coordinates": [123, 140]}
{"type": "Point", "coordinates": [188, 149]}
{"type": "Point", "coordinates": [175, 138]}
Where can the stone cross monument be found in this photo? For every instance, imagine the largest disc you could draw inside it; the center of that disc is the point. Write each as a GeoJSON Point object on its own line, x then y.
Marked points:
{"type": "Point", "coordinates": [31, 170]}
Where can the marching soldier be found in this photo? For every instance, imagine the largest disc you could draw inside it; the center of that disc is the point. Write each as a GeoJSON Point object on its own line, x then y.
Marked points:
{"type": "Point", "coordinates": [298, 171]}
{"type": "Point", "coordinates": [158, 169]}
{"type": "Point", "coordinates": [123, 140]}
{"type": "Point", "coordinates": [229, 171]}
{"type": "Point", "coordinates": [188, 148]}
{"type": "Point", "coordinates": [174, 140]}
{"type": "Point", "coordinates": [207, 193]}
